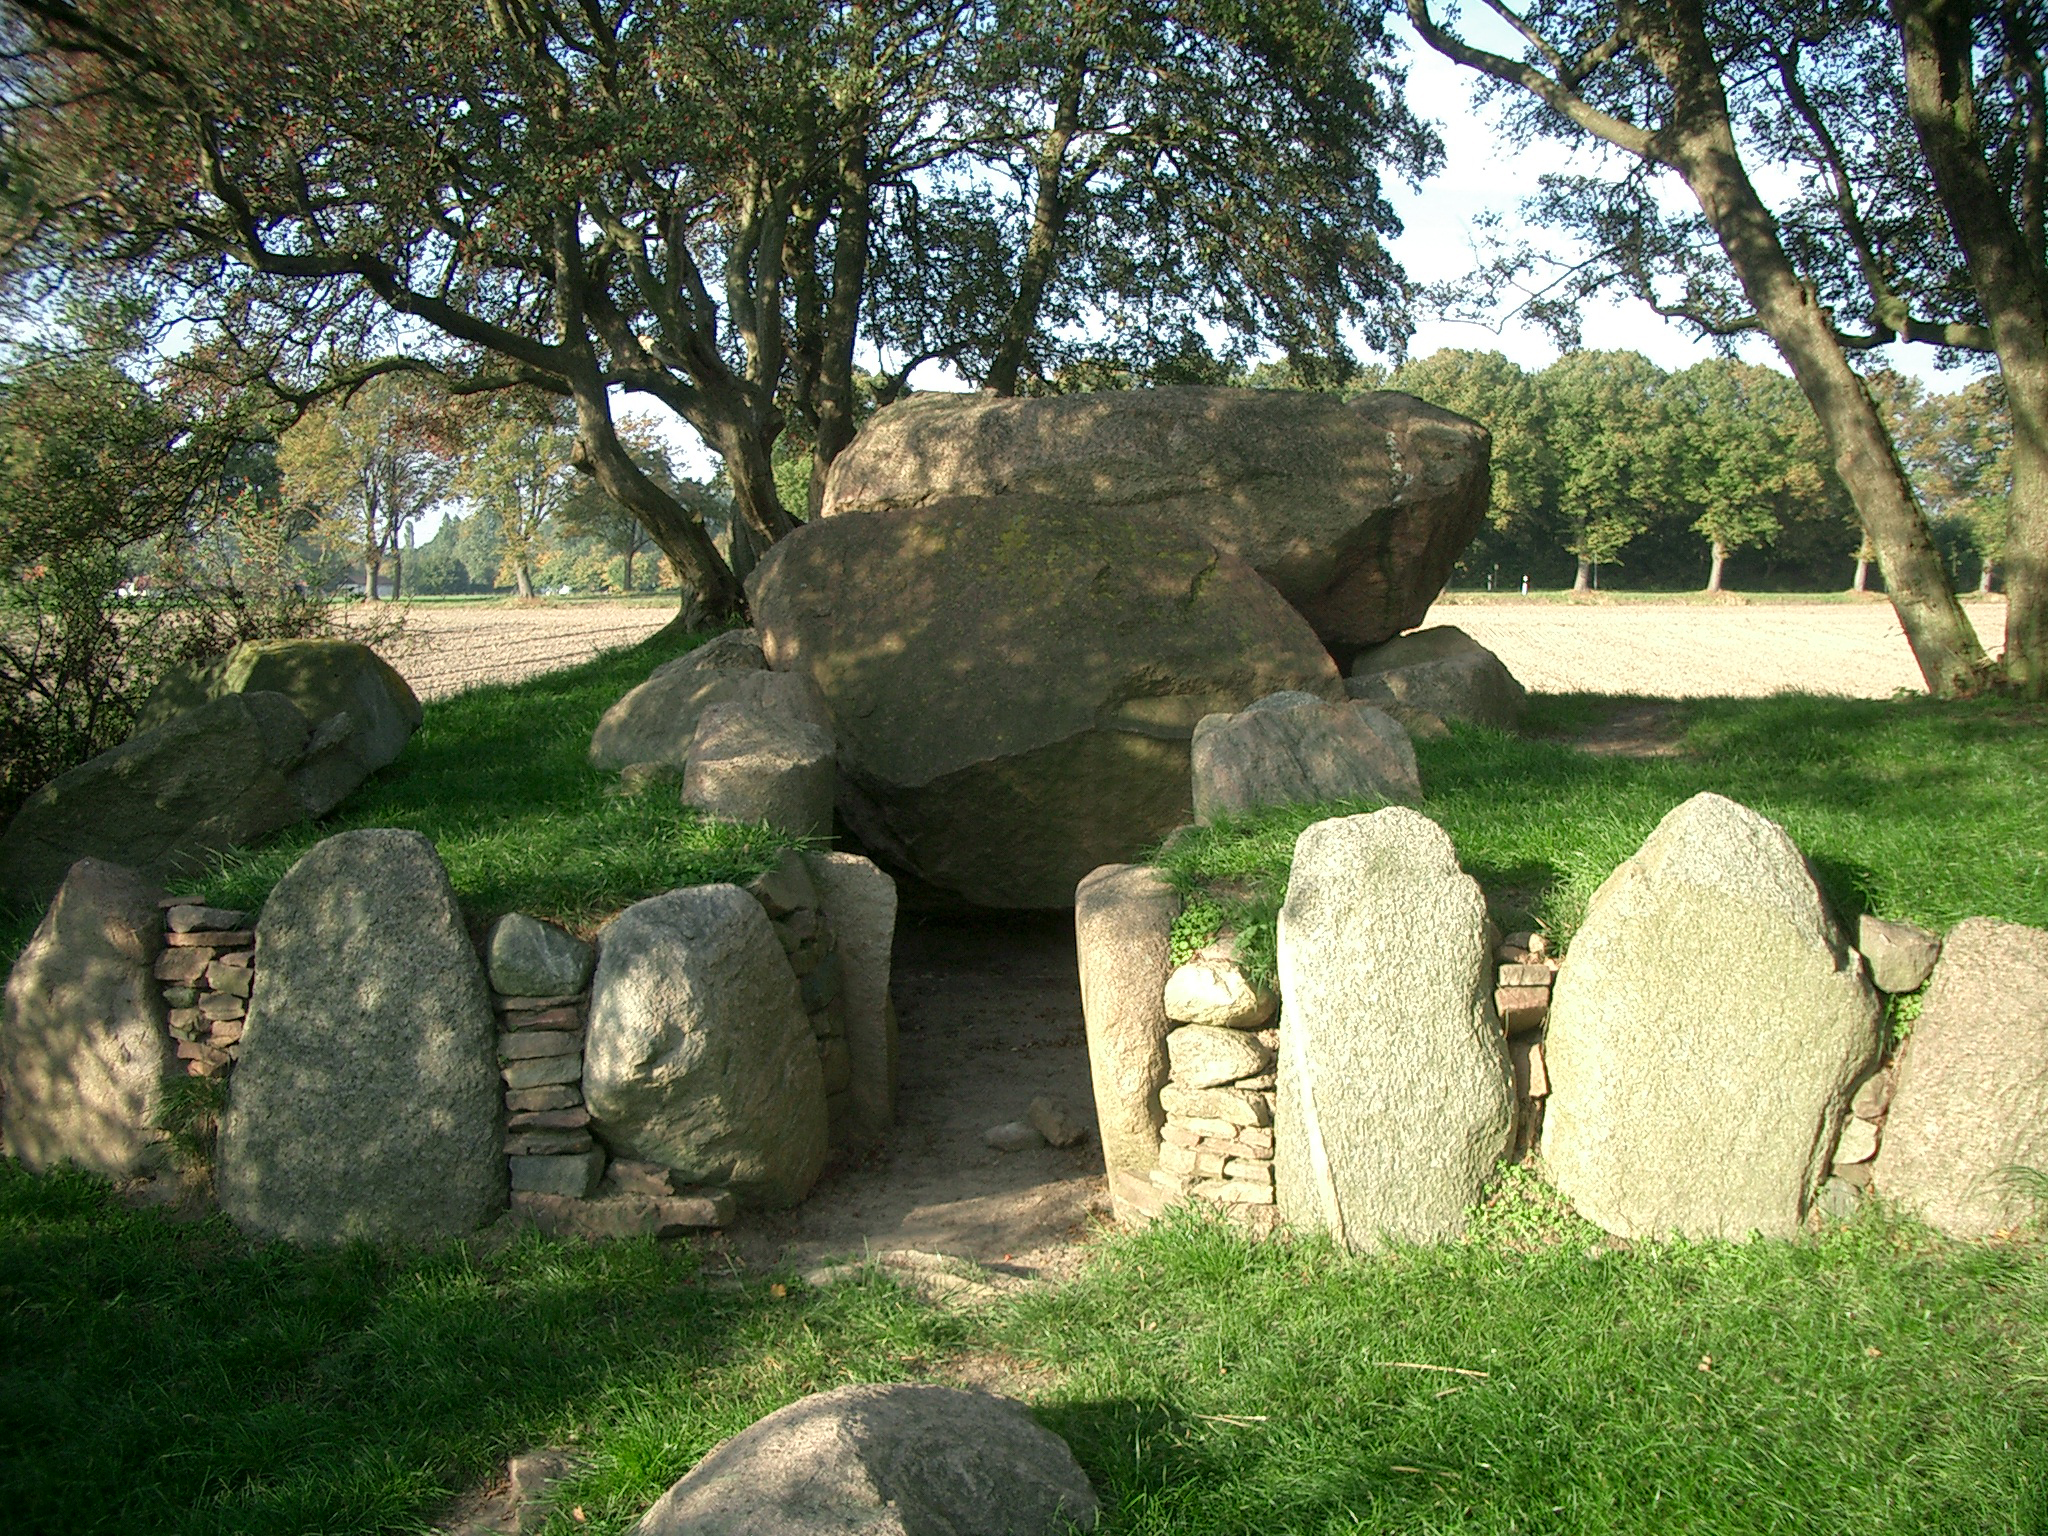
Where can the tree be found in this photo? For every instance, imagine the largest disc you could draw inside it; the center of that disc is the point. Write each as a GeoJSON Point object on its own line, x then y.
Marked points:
{"type": "Point", "coordinates": [590, 513]}
{"type": "Point", "coordinates": [1510, 403]}
{"type": "Point", "coordinates": [1958, 447]}
{"type": "Point", "coordinates": [1746, 455]}
{"type": "Point", "coordinates": [517, 465]}
{"type": "Point", "coordinates": [370, 465]}
{"type": "Point", "coordinates": [1671, 86]}
{"type": "Point", "coordinates": [697, 204]}
{"type": "Point", "coordinates": [1608, 428]}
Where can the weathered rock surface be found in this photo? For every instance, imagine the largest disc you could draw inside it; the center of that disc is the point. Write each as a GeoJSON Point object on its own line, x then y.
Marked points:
{"type": "Point", "coordinates": [1393, 1103]}
{"type": "Point", "coordinates": [698, 1055]}
{"type": "Point", "coordinates": [860, 903]}
{"type": "Point", "coordinates": [655, 722]}
{"type": "Point", "coordinates": [1297, 749]}
{"type": "Point", "coordinates": [1202, 1056]}
{"type": "Point", "coordinates": [893, 1460]}
{"type": "Point", "coordinates": [749, 763]}
{"type": "Point", "coordinates": [220, 776]}
{"type": "Point", "coordinates": [1705, 1030]}
{"type": "Point", "coordinates": [526, 957]}
{"type": "Point", "coordinates": [1440, 671]}
{"type": "Point", "coordinates": [1971, 1102]}
{"type": "Point", "coordinates": [1123, 931]}
{"type": "Point", "coordinates": [366, 1102]}
{"type": "Point", "coordinates": [84, 1047]}
{"type": "Point", "coordinates": [322, 677]}
{"type": "Point", "coordinates": [1355, 510]}
{"type": "Point", "coordinates": [1215, 992]}
{"type": "Point", "coordinates": [1013, 686]}
{"type": "Point", "coordinates": [1901, 955]}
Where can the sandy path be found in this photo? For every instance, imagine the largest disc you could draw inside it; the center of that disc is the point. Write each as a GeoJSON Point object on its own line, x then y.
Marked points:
{"type": "Point", "coordinates": [1686, 650]}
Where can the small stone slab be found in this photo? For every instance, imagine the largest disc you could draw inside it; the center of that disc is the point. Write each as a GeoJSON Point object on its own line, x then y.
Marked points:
{"type": "Point", "coordinates": [546, 1018]}
{"type": "Point", "coordinates": [1205, 1057]}
{"type": "Point", "coordinates": [234, 980]}
{"type": "Point", "coordinates": [1215, 993]}
{"type": "Point", "coordinates": [571, 1177]}
{"type": "Point", "coordinates": [554, 1096]}
{"type": "Point", "coordinates": [181, 965]}
{"type": "Point", "coordinates": [546, 1143]}
{"type": "Point", "coordinates": [524, 1045]}
{"type": "Point", "coordinates": [615, 1216]}
{"type": "Point", "coordinates": [536, 1004]}
{"type": "Point", "coordinates": [1234, 1192]}
{"type": "Point", "coordinates": [1013, 1136]}
{"type": "Point", "coordinates": [1857, 1143]}
{"type": "Point", "coordinates": [568, 1119]}
{"type": "Point", "coordinates": [1525, 976]}
{"type": "Point", "coordinates": [1232, 1104]}
{"type": "Point", "coordinates": [238, 938]}
{"type": "Point", "coordinates": [543, 1070]}
{"type": "Point", "coordinates": [222, 1005]}
{"type": "Point", "coordinates": [190, 919]}
{"type": "Point", "coordinates": [1052, 1121]}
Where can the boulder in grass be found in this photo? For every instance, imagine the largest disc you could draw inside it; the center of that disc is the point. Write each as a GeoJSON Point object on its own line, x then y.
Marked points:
{"type": "Point", "coordinates": [367, 1101]}
{"type": "Point", "coordinates": [883, 1460]}
{"type": "Point", "coordinates": [529, 958]}
{"type": "Point", "coordinates": [1123, 929]}
{"type": "Point", "coordinates": [1393, 1103]}
{"type": "Point", "coordinates": [1705, 1031]}
{"type": "Point", "coordinates": [1440, 671]}
{"type": "Point", "coordinates": [1013, 687]}
{"type": "Point", "coordinates": [84, 1047]}
{"type": "Point", "coordinates": [1355, 510]}
{"type": "Point", "coordinates": [752, 764]}
{"type": "Point", "coordinates": [1966, 1139]}
{"type": "Point", "coordinates": [164, 802]}
{"type": "Point", "coordinates": [655, 722]}
{"type": "Point", "coordinates": [698, 1056]}
{"type": "Point", "coordinates": [322, 677]}
{"type": "Point", "coordinates": [1297, 749]}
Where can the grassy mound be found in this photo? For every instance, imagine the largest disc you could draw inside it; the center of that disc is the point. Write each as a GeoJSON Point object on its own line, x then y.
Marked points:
{"type": "Point", "coordinates": [1906, 808]}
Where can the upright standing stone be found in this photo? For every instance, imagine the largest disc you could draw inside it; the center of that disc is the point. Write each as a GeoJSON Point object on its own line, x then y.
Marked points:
{"type": "Point", "coordinates": [1971, 1106]}
{"type": "Point", "coordinates": [860, 903]}
{"type": "Point", "coordinates": [366, 1103]}
{"type": "Point", "coordinates": [699, 1055]}
{"type": "Point", "coordinates": [1393, 1103]}
{"type": "Point", "coordinates": [85, 1050]}
{"type": "Point", "coordinates": [1123, 931]}
{"type": "Point", "coordinates": [1705, 1031]}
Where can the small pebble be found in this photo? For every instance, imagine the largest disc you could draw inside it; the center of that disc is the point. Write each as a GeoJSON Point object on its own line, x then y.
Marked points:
{"type": "Point", "coordinates": [1015, 1136]}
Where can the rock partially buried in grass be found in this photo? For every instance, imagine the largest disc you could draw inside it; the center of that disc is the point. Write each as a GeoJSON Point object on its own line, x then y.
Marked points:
{"type": "Point", "coordinates": [1705, 1031]}
{"type": "Point", "coordinates": [894, 1460]}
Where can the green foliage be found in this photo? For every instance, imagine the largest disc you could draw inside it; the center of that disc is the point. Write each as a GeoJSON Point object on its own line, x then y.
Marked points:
{"type": "Point", "coordinates": [1201, 920]}
{"type": "Point", "coordinates": [190, 1116]}
{"type": "Point", "coordinates": [1907, 808]}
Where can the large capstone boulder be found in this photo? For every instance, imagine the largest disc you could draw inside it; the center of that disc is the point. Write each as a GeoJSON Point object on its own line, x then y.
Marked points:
{"type": "Point", "coordinates": [1394, 1099]}
{"type": "Point", "coordinates": [324, 678]}
{"type": "Point", "coordinates": [221, 776]}
{"type": "Point", "coordinates": [699, 1056]}
{"type": "Point", "coordinates": [1705, 1030]}
{"type": "Point", "coordinates": [859, 901]}
{"type": "Point", "coordinates": [748, 763]}
{"type": "Point", "coordinates": [1966, 1139]}
{"type": "Point", "coordinates": [656, 721]}
{"type": "Point", "coordinates": [366, 1103]}
{"type": "Point", "coordinates": [1013, 686]}
{"type": "Point", "coordinates": [1297, 749]}
{"type": "Point", "coordinates": [84, 1048]}
{"type": "Point", "coordinates": [1355, 510]}
{"type": "Point", "coordinates": [1440, 671]}
{"type": "Point", "coordinates": [883, 1460]}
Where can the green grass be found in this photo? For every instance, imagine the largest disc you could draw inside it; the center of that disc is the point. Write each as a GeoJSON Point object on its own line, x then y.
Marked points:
{"type": "Point", "coordinates": [497, 778]}
{"type": "Point", "coordinates": [158, 1376]}
{"type": "Point", "coordinates": [1906, 808]}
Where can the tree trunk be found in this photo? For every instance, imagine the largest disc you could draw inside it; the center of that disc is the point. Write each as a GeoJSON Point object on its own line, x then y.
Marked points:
{"type": "Point", "coordinates": [1702, 148]}
{"type": "Point", "coordinates": [522, 581]}
{"type": "Point", "coordinates": [2010, 276]}
{"type": "Point", "coordinates": [1984, 579]}
{"type": "Point", "coordinates": [373, 568]}
{"type": "Point", "coordinates": [397, 573]}
{"type": "Point", "coordinates": [835, 425]}
{"type": "Point", "coordinates": [751, 470]}
{"type": "Point", "coordinates": [1583, 582]}
{"type": "Point", "coordinates": [1714, 572]}
{"type": "Point", "coordinates": [1041, 250]}
{"type": "Point", "coordinates": [629, 572]}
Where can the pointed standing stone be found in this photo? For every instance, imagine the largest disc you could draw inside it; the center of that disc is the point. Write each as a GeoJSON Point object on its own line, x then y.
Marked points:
{"type": "Point", "coordinates": [1705, 1030]}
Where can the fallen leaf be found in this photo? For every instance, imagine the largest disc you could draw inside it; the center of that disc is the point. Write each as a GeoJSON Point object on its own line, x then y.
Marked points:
{"type": "Point", "coordinates": [1706, 1362]}
{"type": "Point", "coordinates": [1874, 1352]}
{"type": "Point", "coordinates": [778, 1289]}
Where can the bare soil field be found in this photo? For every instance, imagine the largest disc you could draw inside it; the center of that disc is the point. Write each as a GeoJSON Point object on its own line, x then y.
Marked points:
{"type": "Point", "coordinates": [1675, 649]}
{"type": "Point", "coordinates": [1691, 649]}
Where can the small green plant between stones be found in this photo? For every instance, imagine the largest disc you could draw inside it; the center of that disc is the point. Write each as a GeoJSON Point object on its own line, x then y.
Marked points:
{"type": "Point", "coordinates": [1200, 921]}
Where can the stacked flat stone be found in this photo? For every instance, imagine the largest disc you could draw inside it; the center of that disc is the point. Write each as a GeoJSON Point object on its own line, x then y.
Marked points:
{"type": "Point", "coordinates": [207, 970]}
{"type": "Point", "coordinates": [790, 898]}
{"type": "Point", "coordinates": [1217, 1142]}
{"type": "Point", "coordinates": [547, 1127]}
{"type": "Point", "coordinates": [1524, 971]}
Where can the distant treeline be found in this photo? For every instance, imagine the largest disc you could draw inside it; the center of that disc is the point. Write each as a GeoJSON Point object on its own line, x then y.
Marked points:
{"type": "Point", "coordinates": [1608, 468]}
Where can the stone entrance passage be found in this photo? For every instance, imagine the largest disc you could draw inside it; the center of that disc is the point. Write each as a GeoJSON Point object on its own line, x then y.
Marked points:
{"type": "Point", "coordinates": [989, 1014]}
